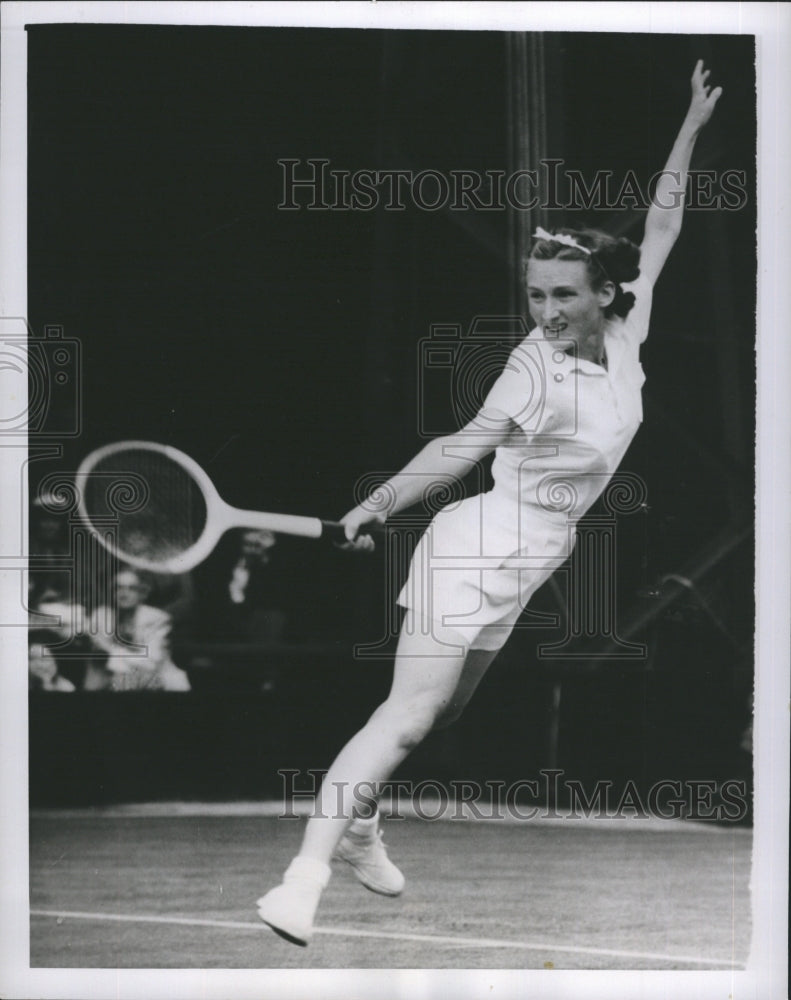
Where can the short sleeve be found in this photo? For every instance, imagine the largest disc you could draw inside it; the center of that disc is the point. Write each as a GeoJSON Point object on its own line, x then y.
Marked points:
{"type": "Point", "coordinates": [507, 393]}
{"type": "Point", "coordinates": [520, 390]}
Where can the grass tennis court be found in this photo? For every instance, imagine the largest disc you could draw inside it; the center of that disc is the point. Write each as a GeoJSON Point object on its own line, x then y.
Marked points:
{"type": "Point", "coordinates": [146, 889]}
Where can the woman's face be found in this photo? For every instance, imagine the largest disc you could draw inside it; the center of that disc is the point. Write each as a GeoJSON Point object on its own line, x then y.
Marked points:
{"type": "Point", "coordinates": [562, 302]}
{"type": "Point", "coordinates": [128, 590]}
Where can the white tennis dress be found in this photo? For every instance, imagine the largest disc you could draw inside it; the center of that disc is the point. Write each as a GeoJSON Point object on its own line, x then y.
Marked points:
{"type": "Point", "coordinates": [481, 559]}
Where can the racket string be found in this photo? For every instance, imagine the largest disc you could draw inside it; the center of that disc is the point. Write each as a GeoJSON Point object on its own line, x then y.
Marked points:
{"type": "Point", "coordinates": [151, 504]}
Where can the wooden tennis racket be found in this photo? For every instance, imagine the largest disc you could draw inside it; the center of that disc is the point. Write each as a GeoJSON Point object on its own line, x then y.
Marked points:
{"type": "Point", "coordinates": [155, 508]}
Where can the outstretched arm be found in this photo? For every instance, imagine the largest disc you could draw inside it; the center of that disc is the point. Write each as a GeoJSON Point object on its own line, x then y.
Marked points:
{"type": "Point", "coordinates": [663, 223]}
{"type": "Point", "coordinates": [446, 459]}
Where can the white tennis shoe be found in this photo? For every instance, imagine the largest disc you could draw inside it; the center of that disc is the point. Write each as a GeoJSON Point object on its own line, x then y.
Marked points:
{"type": "Point", "coordinates": [289, 908]}
{"type": "Point", "coordinates": [362, 848]}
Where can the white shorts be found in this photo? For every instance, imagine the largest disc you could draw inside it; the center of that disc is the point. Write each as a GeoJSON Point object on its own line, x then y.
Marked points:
{"type": "Point", "coordinates": [479, 563]}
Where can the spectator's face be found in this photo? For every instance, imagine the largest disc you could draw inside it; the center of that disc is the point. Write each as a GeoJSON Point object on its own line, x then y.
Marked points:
{"type": "Point", "coordinates": [256, 544]}
{"type": "Point", "coordinates": [128, 590]}
{"type": "Point", "coordinates": [41, 663]}
{"type": "Point", "coordinates": [136, 542]}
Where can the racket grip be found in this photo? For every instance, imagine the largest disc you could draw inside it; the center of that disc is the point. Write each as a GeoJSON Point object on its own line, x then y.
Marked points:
{"type": "Point", "coordinates": [334, 531]}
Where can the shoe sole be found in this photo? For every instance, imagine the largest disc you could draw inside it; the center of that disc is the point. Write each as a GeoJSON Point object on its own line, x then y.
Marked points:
{"type": "Point", "coordinates": [368, 885]}
{"type": "Point", "coordinates": [282, 932]}
{"type": "Point", "coordinates": [301, 942]}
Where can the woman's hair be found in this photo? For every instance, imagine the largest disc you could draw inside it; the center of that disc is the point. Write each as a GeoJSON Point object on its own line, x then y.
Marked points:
{"type": "Point", "coordinates": [611, 258]}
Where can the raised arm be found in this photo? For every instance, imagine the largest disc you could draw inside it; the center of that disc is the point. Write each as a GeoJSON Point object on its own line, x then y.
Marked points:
{"type": "Point", "coordinates": [663, 222]}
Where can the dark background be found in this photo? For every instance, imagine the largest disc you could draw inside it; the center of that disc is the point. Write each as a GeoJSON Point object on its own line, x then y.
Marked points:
{"type": "Point", "coordinates": [280, 349]}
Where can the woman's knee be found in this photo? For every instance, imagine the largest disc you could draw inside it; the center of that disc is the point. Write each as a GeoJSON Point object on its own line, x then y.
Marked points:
{"type": "Point", "coordinates": [408, 723]}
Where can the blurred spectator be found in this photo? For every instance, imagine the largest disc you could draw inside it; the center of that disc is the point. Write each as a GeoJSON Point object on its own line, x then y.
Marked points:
{"type": "Point", "coordinates": [172, 592]}
{"type": "Point", "coordinates": [60, 562]}
{"type": "Point", "coordinates": [49, 543]}
{"type": "Point", "coordinates": [238, 600]}
{"type": "Point", "coordinates": [131, 621]}
{"type": "Point", "coordinates": [61, 626]}
{"type": "Point", "coordinates": [175, 594]}
{"type": "Point", "coordinates": [43, 674]}
{"type": "Point", "coordinates": [238, 605]}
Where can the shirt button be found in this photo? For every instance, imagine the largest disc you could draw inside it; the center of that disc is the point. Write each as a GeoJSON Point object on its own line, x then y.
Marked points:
{"type": "Point", "coordinates": [558, 377]}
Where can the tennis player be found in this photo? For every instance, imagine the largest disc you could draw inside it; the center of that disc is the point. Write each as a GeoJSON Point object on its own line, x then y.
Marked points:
{"type": "Point", "coordinates": [479, 561]}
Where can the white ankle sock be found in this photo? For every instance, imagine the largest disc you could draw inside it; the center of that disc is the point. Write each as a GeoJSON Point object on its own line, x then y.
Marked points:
{"type": "Point", "coordinates": [308, 870]}
{"type": "Point", "coordinates": [364, 827]}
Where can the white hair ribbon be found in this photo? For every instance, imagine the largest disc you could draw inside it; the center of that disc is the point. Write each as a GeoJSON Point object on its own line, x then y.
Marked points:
{"type": "Point", "coordinates": [569, 241]}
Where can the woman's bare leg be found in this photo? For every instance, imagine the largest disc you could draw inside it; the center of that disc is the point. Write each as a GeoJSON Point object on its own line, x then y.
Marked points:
{"type": "Point", "coordinates": [476, 664]}
{"type": "Point", "coordinates": [433, 679]}
{"type": "Point", "coordinates": [426, 676]}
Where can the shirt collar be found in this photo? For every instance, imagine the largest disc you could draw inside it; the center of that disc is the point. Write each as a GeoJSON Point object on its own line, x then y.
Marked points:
{"type": "Point", "coordinates": [587, 367]}
{"type": "Point", "coordinates": [581, 365]}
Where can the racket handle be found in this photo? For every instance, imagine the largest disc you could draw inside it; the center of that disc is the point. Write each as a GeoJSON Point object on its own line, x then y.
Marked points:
{"type": "Point", "coordinates": [335, 532]}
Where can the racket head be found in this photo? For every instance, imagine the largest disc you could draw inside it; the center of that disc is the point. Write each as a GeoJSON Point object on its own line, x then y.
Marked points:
{"type": "Point", "coordinates": [150, 505]}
